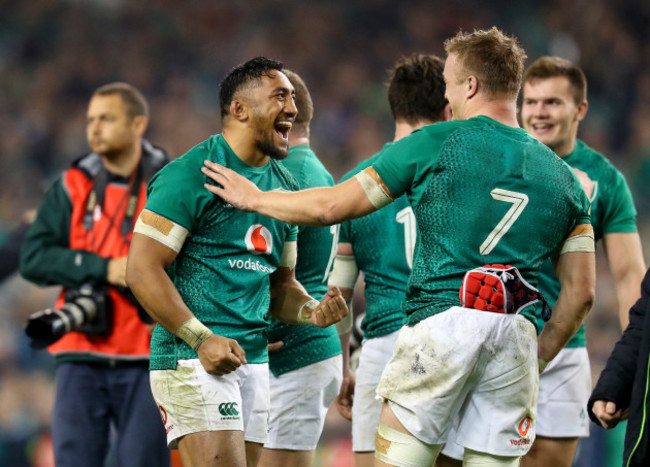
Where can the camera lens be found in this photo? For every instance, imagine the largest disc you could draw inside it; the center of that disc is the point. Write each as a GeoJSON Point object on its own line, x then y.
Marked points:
{"type": "Point", "coordinates": [47, 326]}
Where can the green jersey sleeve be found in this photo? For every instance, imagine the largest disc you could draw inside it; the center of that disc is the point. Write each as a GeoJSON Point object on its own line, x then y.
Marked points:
{"type": "Point", "coordinates": [619, 215]}
{"type": "Point", "coordinates": [403, 174]}
{"type": "Point", "coordinates": [176, 193]}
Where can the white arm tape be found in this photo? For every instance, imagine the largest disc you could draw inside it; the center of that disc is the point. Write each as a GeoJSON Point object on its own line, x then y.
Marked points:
{"type": "Point", "coordinates": [583, 242]}
{"type": "Point", "coordinates": [305, 311]}
{"type": "Point", "coordinates": [289, 255]}
{"type": "Point", "coordinates": [344, 272]}
{"type": "Point", "coordinates": [162, 230]}
{"type": "Point", "coordinates": [194, 333]}
{"type": "Point", "coordinates": [374, 191]}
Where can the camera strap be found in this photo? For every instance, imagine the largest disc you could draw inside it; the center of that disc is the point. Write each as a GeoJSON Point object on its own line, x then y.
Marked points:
{"type": "Point", "coordinates": [97, 196]}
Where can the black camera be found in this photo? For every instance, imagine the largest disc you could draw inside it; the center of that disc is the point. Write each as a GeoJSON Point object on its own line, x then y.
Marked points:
{"type": "Point", "coordinates": [87, 309]}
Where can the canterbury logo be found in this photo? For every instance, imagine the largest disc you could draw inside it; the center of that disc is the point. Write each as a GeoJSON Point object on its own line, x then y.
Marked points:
{"type": "Point", "coordinates": [259, 240]}
{"type": "Point", "coordinates": [228, 408]}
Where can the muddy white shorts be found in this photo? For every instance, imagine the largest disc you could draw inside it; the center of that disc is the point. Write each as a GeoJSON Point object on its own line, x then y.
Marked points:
{"type": "Point", "coordinates": [477, 365]}
{"type": "Point", "coordinates": [564, 390]}
{"type": "Point", "coordinates": [191, 400]}
{"type": "Point", "coordinates": [299, 403]}
{"type": "Point", "coordinates": [375, 355]}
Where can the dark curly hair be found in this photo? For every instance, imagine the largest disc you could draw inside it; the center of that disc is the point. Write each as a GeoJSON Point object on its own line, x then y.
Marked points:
{"type": "Point", "coordinates": [242, 75]}
{"type": "Point", "coordinates": [416, 90]}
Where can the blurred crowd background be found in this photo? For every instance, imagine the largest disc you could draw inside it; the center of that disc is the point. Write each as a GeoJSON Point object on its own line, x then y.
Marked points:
{"type": "Point", "coordinates": [54, 53]}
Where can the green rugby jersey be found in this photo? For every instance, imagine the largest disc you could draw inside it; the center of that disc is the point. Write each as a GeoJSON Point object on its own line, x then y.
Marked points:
{"type": "Point", "coordinates": [612, 211]}
{"type": "Point", "coordinates": [482, 193]}
{"type": "Point", "coordinates": [304, 345]}
{"type": "Point", "coordinates": [222, 271]}
{"type": "Point", "coordinates": [383, 244]}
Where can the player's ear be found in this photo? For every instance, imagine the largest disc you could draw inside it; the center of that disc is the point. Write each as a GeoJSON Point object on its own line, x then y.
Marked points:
{"type": "Point", "coordinates": [239, 110]}
{"type": "Point", "coordinates": [582, 110]}
{"type": "Point", "coordinates": [140, 123]}
{"type": "Point", "coordinates": [471, 86]}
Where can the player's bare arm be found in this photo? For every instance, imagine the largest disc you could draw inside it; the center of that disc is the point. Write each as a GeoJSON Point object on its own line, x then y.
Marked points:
{"type": "Point", "coordinates": [625, 257]}
{"type": "Point", "coordinates": [576, 271]}
{"type": "Point", "coordinates": [343, 276]}
{"type": "Point", "coordinates": [314, 207]}
{"type": "Point", "coordinates": [291, 303]}
{"type": "Point", "coordinates": [145, 275]}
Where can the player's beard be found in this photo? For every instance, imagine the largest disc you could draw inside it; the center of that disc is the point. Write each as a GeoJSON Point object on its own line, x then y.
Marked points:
{"type": "Point", "coordinates": [266, 145]}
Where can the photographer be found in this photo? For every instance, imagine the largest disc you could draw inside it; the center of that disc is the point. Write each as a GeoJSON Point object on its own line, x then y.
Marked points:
{"type": "Point", "coordinates": [80, 240]}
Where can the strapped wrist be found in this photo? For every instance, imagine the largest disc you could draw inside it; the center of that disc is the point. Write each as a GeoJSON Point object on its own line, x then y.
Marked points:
{"type": "Point", "coordinates": [194, 333]}
{"type": "Point", "coordinates": [305, 311]}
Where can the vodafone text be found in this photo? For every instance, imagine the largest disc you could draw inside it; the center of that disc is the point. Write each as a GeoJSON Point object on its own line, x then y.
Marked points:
{"type": "Point", "coordinates": [249, 265]}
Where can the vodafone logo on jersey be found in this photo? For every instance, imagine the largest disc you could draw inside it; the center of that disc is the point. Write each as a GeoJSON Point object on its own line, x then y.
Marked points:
{"type": "Point", "coordinates": [259, 240]}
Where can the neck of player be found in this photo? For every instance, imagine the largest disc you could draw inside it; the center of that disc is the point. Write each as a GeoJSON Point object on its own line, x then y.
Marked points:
{"type": "Point", "coordinates": [501, 110]}
{"type": "Point", "coordinates": [299, 135]}
{"type": "Point", "coordinates": [403, 128]}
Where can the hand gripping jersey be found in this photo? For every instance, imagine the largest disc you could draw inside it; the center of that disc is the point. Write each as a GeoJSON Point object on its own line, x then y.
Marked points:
{"type": "Point", "coordinates": [612, 211]}
{"type": "Point", "coordinates": [222, 271]}
{"type": "Point", "coordinates": [383, 244]}
{"type": "Point", "coordinates": [482, 193]}
{"type": "Point", "coordinates": [304, 345]}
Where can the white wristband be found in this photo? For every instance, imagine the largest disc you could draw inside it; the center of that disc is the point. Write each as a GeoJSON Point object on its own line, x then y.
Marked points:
{"type": "Point", "coordinates": [194, 333]}
{"type": "Point", "coordinates": [346, 324]}
{"type": "Point", "coordinates": [305, 311]}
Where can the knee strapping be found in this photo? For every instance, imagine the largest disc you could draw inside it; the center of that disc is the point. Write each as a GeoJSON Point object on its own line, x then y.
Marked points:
{"type": "Point", "coordinates": [482, 459]}
{"type": "Point", "coordinates": [403, 450]}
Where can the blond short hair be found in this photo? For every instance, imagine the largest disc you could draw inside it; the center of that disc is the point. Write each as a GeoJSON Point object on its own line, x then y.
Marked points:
{"type": "Point", "coordinates": [495, 59]}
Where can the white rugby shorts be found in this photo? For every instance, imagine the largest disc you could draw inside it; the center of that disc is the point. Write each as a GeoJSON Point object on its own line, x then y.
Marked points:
{"type": "Point", "coordinates": [564, 390]}
{"type": "Point", "coordinates": [299, 403]}
{"type": "Point", "coordinates": [191, 400]}
{"type": "Point", "coordinates": [478, 365]}
{"type": "Point", "coordinates": [366, 409]}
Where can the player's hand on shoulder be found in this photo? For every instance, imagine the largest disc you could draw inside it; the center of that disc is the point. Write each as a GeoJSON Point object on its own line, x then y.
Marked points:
{"type": "Point", "coordinates": [345, 399]}
{"type": "Point", "coordinates": [220, 355]}
{"type": "Point", "coordinates": [233, 188]}
{"type": "Point", "coordinates": [330, 310]}
{"type": "Point", "coordinates": [608, 414]}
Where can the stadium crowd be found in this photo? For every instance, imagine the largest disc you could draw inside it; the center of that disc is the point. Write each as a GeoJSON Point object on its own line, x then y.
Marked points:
{"type": "Point", "coordinates": [54, 54]}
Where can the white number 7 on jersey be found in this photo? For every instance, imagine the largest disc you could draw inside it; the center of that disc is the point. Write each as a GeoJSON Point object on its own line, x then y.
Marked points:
{"type": "Point", "coordinates": [519, 202]}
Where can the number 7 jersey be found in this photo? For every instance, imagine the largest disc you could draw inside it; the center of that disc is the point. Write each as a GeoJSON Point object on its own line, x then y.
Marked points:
{"type": "Point", "coordinates": [482, 193]}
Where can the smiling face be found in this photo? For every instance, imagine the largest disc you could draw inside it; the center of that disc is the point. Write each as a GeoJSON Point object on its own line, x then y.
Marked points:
{"type": "Point", "coordinates": [273, 111]}
{"type": "Point", "coordinates": [551, 114]}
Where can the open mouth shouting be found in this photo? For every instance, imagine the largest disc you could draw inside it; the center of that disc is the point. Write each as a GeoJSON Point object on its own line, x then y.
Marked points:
{"type": "Point", "coordinates": [282, 129]}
